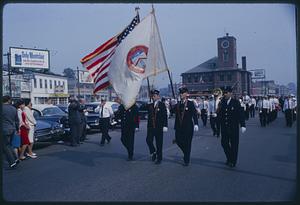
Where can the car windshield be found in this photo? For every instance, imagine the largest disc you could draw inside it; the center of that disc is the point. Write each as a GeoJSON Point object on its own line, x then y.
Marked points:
{"type": "Point", "coordinates": [53, 111]}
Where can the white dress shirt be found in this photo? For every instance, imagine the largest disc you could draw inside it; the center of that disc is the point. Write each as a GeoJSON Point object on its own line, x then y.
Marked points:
{"type": "Point", "coordinates": [107, 111]}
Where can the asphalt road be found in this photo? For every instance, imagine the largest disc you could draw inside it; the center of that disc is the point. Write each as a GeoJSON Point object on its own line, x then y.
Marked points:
{"type": "Point", "coordinates": [266, 170]}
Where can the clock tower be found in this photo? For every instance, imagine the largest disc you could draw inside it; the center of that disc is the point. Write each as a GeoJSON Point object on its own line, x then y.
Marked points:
{"type": "Point", "coordinates": [227, 52]}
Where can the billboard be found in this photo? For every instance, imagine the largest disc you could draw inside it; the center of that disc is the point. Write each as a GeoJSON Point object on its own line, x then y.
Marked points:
{"type": "Point", "coordinates": [85, 77]}
{"type": "Point", "coordinates": [258, 73]}
{"type": "Point", "coordinates": [29, 58]}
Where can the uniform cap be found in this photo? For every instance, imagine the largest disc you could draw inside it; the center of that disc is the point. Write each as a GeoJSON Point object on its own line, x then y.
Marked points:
{"type": "Point", "coordinates": [154, 92]}
{"type": "Point", "coordinates": [183, 90]}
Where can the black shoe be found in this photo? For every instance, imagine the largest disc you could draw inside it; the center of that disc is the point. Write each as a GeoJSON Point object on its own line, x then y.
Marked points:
{"type": "Point", "coordinates": [130, 159]}
{"type": "Point", "coordinates": [227, 163]}
{"type": "Point", "coordinates": [158, 162]}
{"type": "Point", "coordinates": [17, 161]}
{"type": "Point", "coordinates": [231, 165]}
{"type": "Point", "coordinates": [185, 164]}
{"type": "Point", "coordinates": [153, 156]}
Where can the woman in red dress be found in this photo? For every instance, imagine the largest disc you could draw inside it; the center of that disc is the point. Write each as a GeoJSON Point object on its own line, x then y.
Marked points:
{"type": "Point", "coordinates": [24, 128]}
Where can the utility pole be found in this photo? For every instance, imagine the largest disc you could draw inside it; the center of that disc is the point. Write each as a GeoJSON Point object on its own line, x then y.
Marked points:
{"type": "Point", "coordinates": [78, 82]}
{"type": "Point", "coordinates": [9, 72]}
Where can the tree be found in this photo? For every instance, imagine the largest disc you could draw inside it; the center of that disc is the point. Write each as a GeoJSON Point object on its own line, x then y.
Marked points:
{"type": "Point", "coordinates": [69, 73]}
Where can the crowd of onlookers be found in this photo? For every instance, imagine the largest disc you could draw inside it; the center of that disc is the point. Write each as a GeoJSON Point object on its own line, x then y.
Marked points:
{"type": "Point", "coordinates": [18, 125]}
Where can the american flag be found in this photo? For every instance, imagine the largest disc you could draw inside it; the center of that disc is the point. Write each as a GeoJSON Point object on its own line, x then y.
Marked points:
{"type": "Point", "coordinates": [98, 62]}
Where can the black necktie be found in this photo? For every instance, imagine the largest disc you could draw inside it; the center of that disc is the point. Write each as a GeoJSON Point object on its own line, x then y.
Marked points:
{"type": "Point", "coordinates": [102, 111]}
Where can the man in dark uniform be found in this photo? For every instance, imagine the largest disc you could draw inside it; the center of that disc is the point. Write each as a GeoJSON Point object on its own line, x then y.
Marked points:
{"type": "Point", "coordinates": [185, 114]}
{"type": "Point", "coordinates": [157, 124]}
{"type": "Point", "coordinates": [231, 115]}
{"type": "Point", "coordinates": [83, 120]}
{"type": "Point", "coordinates": [74, 121]}
{"type": "Point", "coordinates": [129, 122]}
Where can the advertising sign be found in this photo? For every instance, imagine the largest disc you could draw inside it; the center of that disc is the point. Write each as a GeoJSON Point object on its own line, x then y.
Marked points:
{"type": "Point", "coordinates": [258, 73]}
{"type": "Point", "coordinates": [29, 58]}
{"type": "Point", "coordinates": [85, 77]}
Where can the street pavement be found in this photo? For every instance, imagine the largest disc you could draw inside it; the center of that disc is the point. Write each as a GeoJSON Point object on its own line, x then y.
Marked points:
{"type": "Point", "coordinates": [265, 171]}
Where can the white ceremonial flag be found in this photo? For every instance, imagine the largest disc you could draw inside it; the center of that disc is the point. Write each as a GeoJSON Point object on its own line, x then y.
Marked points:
{"type": "Point", "coordinates": [138, 56]}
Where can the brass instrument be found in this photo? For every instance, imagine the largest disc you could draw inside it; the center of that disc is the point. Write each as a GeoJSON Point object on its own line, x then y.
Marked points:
{"type": "Point", "coordinates": [219, 93]}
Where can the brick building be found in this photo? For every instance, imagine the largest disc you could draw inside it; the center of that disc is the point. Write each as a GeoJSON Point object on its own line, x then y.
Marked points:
{"type": "Point", "coordinates": [219, 71]}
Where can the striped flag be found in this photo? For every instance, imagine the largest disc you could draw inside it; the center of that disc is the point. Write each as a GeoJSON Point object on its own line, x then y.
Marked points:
{"type": "Point", "coordinates": [98, 62]}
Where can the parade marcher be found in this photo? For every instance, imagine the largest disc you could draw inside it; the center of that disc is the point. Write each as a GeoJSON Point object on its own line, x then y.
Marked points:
{"type": "Point", "coordinates": [157, 124]}
{"type": "Point", "coordinates": [83, 121]}
{"type": "Point", "coordinates": [288, 109]}
{"type": "Point", "coordinates": [265, 111]}
{"type": "Point", "coordinates": [74, 121]}
{"type": "Point", "coordinates": [247, 102]}
{"type": "Point", "coordinates": [294, 100]}
{"type": "Point", "coordinates": [259, 108]}
{"type": "Point", "coordinates": [186, 122]}
{"type": "Point", "coordinates": [204, 110]}
{"type": "Point", "coordinates": [252, 107]}
{"type": "Point", "coordinates": [105, 114]}
{"type": "Point", "coordinates": [10, 125]}
{"type": "Point", "coordinates": [232, 117]}
{"type": "Point", "coordinates": [212, 110]}
{"type": "Point", "coordinates": [129, 123]}
{"type": "Point", "coordinates": [32, 123]}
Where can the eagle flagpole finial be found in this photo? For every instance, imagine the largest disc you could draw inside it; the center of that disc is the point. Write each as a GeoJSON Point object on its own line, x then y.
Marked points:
{"type": "Point", "coordinates": [137, 9]}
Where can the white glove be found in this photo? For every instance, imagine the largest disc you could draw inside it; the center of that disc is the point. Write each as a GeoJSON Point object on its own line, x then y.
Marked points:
{"type": "Point", "coordinates": [165, 129]}
{"type": "Point", "coordinates": [243, 129]}
{"type": "Point", "coordinates": [196, 128]}
{"type": "Point", "coordinates": [136, 129]}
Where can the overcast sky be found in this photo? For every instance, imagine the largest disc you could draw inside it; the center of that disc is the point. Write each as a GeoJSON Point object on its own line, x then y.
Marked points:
{"type": "Point", "coordinates": [265, 33]}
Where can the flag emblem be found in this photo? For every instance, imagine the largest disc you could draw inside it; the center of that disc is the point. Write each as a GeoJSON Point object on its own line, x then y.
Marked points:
{"type": "Point", "coordinates": [136, 58]}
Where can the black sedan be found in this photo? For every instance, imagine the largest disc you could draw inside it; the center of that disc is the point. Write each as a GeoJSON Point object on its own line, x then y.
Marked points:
{"type": "Point", "coordinates": [47, 131]}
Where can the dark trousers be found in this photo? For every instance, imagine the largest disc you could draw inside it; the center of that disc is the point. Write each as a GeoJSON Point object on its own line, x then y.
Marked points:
{"type": "Point", "coordinates": [264, 116]}
{"type": "Point", "coordinates": [230, 144]}
{"type": "Point", "coordinates": [288, 117]}
{"type": "Point", "coordinates": [247, 112]}
{"type": "Point", "coordinates": [260, 118]}
{"type": "Point", "coordinates": [215, 125]}
{"type": "Point", "coordinates": [75, 132]}
{"type": "Point", "coordinates": [127, 139]}
{"type": "Point", "coordinates": [204, 117]}
{"type": "Point", "coordinates": [184, 142]}
{"type": "Point", "coordinates": [104, 127]}
{"type": "Point", "coordinates": [252, 111]}
{"type": "Point", "coordinates": [82, 131]}
{"type": "Point", "coordinates": [8, 149]}
{"type": "Point", "coordinates": [156, 133]}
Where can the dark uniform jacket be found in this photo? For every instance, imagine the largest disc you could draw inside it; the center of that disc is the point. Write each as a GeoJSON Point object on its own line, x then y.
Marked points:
{"type": "Point", "coordinates": [157, 116]}
{"type": "Point", "coordinates": [185, 115]}
{"type": "Point", "coordinates": [129, 118]}
{"type": "Point", "coordinates": [81, 112]}
{"type": "Point", "coordinates": [73, 111]}
{"type": "Point", "coordinates": [231, 115]}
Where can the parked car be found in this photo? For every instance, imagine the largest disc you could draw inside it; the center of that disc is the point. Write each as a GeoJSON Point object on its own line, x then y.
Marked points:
{"type": "Point", "coordinates": [63, 107]}
{"type": "Point", "coordinates": [47, 131]}
{"type": "Point", "coordinates": [54, 114]}
{"type": "Point", "coordinates": [143, 111]}
{"type": "Point", "coordinates": [93, 117]}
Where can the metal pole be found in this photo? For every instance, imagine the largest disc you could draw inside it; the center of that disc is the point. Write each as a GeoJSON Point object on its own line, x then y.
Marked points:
{"type": "Point", "coordinates": [9, 74]}
{"type": "Point", "coordinates": [149, 89]}
{"type": "Point", "coordinates": [78, 84]}
{"type": "Point", "coordinates": [171, 82]}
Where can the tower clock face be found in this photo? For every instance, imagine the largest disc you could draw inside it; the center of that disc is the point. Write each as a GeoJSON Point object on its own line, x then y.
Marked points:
{"type": "Point", "coordinates": [225, 44]}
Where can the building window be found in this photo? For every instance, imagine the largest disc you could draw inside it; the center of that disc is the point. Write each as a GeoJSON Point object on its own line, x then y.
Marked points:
{"type": "Point", "coordinates": [54, 83]}
{"type": "Point", "coordinates": [196, 80]}
{"type": "Point", "coordinates": [46, 84]}
{"type": "Point", "coordinates": [50, 82]}
{"type": "Point", "coordinates": [41, 83]}
{"type": "Point", "coordinates": [229, 77]}
{"type": "Point", "coordinates": [189, 79]}
{"type": "Point", "coordinates": [221, 77]}
{"type": "Point", "coordinates": [58, 83]}
{"type": "Point", "coordinates": [63, 83]}
{"type": "Point", "coordinates": [34, 82]}
{"type": "Point", "coordinates": [225, 56]}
